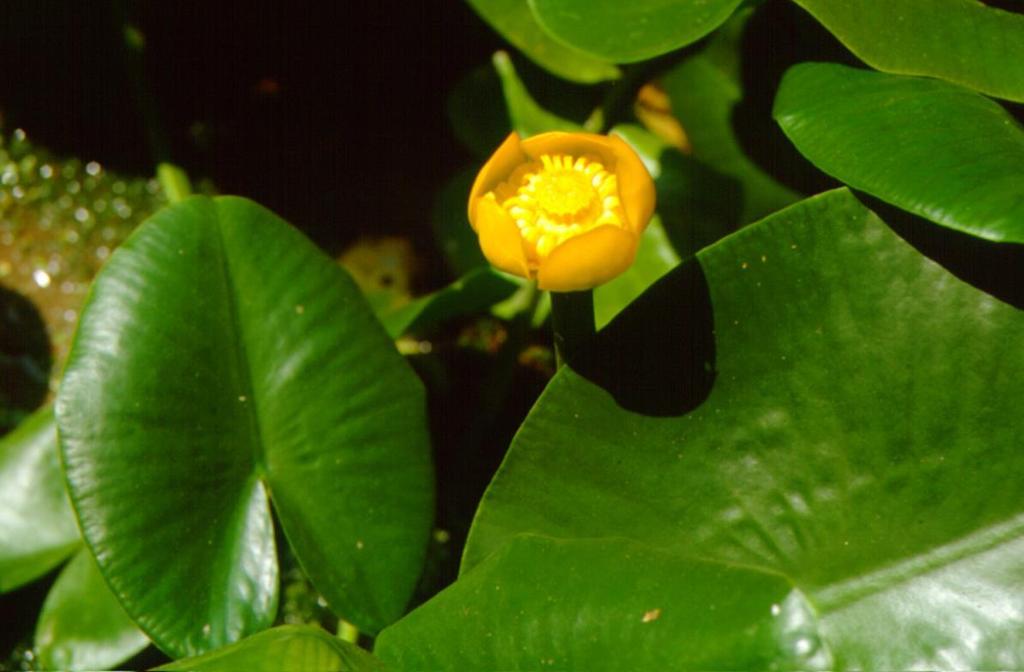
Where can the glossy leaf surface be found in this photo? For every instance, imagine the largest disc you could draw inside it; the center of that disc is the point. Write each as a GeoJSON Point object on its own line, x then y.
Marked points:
{"type": "Point", "coordinates": [37, 526]}
{"type": "Point", "coordinates": [82, 625]}
{"type": "Point", "coordinates": [624, 32]}
{"type": "Point", "coordinates": [930, 147]}
{"type": "Point", "coordinates": [515, 22]}
{"type": "Point", "coordinates": [289, 648]}
{"type": "Point", "coordinates": [592, 604]}
{"type": "Point", "coordinates": [962, 41]}
{"type": "Point", "coordinates": [850, 424]}
{"type": "Point", "coordinates": [221, 358]}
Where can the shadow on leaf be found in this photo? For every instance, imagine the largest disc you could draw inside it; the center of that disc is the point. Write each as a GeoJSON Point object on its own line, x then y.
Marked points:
{"type": "Point", "coordinates": [995, 268]}
{"type": "Point", "coordinates": [657, 357]}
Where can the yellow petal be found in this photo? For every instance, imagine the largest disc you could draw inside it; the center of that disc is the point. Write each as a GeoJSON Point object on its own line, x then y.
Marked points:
{"type": "Point", "coordinates": [557, 143]}
{"type": "Point", "coordinates": [636, 188]}
{"type": "Point", "coordinates": [504, 160]}
{"type": "Point", "coordinates": [500, 239]}
{"type": "Point", "coordinates": [588, 260]}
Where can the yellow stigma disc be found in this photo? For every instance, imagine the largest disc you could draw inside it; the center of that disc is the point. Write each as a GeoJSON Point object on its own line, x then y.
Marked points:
{"type": "Point", "coordinates": [557, 198]}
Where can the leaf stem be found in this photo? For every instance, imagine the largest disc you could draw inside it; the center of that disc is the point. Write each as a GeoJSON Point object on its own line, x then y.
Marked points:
{"type": "Point", "coordinates": [174, 182]}
{"type": "Point", "coordinates": [347, 631]}
{"type": "Point", "coordinates": [133, 44]}
{"type": "Point", "coordinates": [572, 320]}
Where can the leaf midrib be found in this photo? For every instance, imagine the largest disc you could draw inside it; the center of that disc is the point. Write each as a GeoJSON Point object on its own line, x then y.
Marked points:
{"type": "Point", "coordinates": [836, 596]}
{"type": "Point", "coordinates": [240, 352]}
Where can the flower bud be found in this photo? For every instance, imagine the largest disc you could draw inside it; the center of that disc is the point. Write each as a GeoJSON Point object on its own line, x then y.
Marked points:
{"type": "Point", "coordinates": [565, 209]}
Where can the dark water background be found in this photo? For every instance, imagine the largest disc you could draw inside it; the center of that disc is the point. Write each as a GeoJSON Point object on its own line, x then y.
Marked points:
{"type": "Point", "coordinates": [330, 113]}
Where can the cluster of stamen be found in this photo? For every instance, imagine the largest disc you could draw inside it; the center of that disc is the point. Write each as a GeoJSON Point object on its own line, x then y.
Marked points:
{"type": "Point", "coordinates": [557, 198]}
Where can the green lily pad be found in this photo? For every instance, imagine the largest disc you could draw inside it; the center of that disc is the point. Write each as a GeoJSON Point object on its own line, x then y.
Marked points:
{"type": "Point", "coordinates": [37, 527]}
{"type": "Point", "coordinates": [958, 40]}
{"type": "Point", "coordinates": [222, 363]}
{"type": "Point", "coordinates": [289, 648]}
{"type": "Point", "coordinates": [624, 32]}
{"type": "Point", "coordinates": [515, 22]}
{"type": "Point", "coordinates": [592, 605]}
{"type": "Point", "coordinates": [845, 415]}
{"type": "Point", "coordinates": [82, 625]}
{"type": "Point", "coordinates": [930, 147]}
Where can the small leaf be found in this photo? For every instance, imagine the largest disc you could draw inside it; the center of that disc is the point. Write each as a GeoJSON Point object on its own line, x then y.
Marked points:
{"type": "Point", "coordinates": [624, 32]}
{"type": "Point", "coordinates": [515, 22]}
{"type": "Point", "coordinates": [452, 231]}
{"type": "Point", "coordinates": [704, 89]}
{"type": "Point", "coordinates": [82, 625]}
{"type": "Point", "coordinates": [528, 118]}
{"type": "Point", "coordinates": [288, 648]}
{"type": "Point", "coordinates": [476, 111]}
{"type": "Point", "coordinates": [962, 41]}
{"type": "Point", "coordinates": [223, 361]}
{"type": "Point", "coordinates": [37, 527]}
{"type": "Point", "coordinates": [478, 290]}
{"type": "Point", "coordinates": [929, 147]}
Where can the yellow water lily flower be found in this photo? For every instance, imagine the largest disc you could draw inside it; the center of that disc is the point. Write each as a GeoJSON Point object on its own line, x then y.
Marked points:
{"type": "Point", "coordinates": [565, 209]}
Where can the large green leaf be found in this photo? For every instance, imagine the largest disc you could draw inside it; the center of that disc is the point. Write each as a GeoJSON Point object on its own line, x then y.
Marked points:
{"type": "Point", "coordinates": [289, 648]}
{"type": "Point", "coordinates": [37, 527]}
{"type": "Point", "coordinates": [82, 625]}
{"type": "Point", "coordinates": [590, 598]}
{"type": "Point", "coordinates": [933, 148]}
{"type": "Point", "coordinates": [861, 437]}
{"type": "Point", "coordinates": [962, 41]}
{"type": "Point", "coordinates": [624, 32]}
{"type": "Point", "coordinates": [222, 359]}
{"type": "Point", "coordinates": [513, 19]}
{"type": "Point", "coordinates": [704, 90]}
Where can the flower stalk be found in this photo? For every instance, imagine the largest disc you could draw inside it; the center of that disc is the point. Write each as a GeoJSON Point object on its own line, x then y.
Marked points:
{"type": "Point", "coordinates": [572, 321]}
